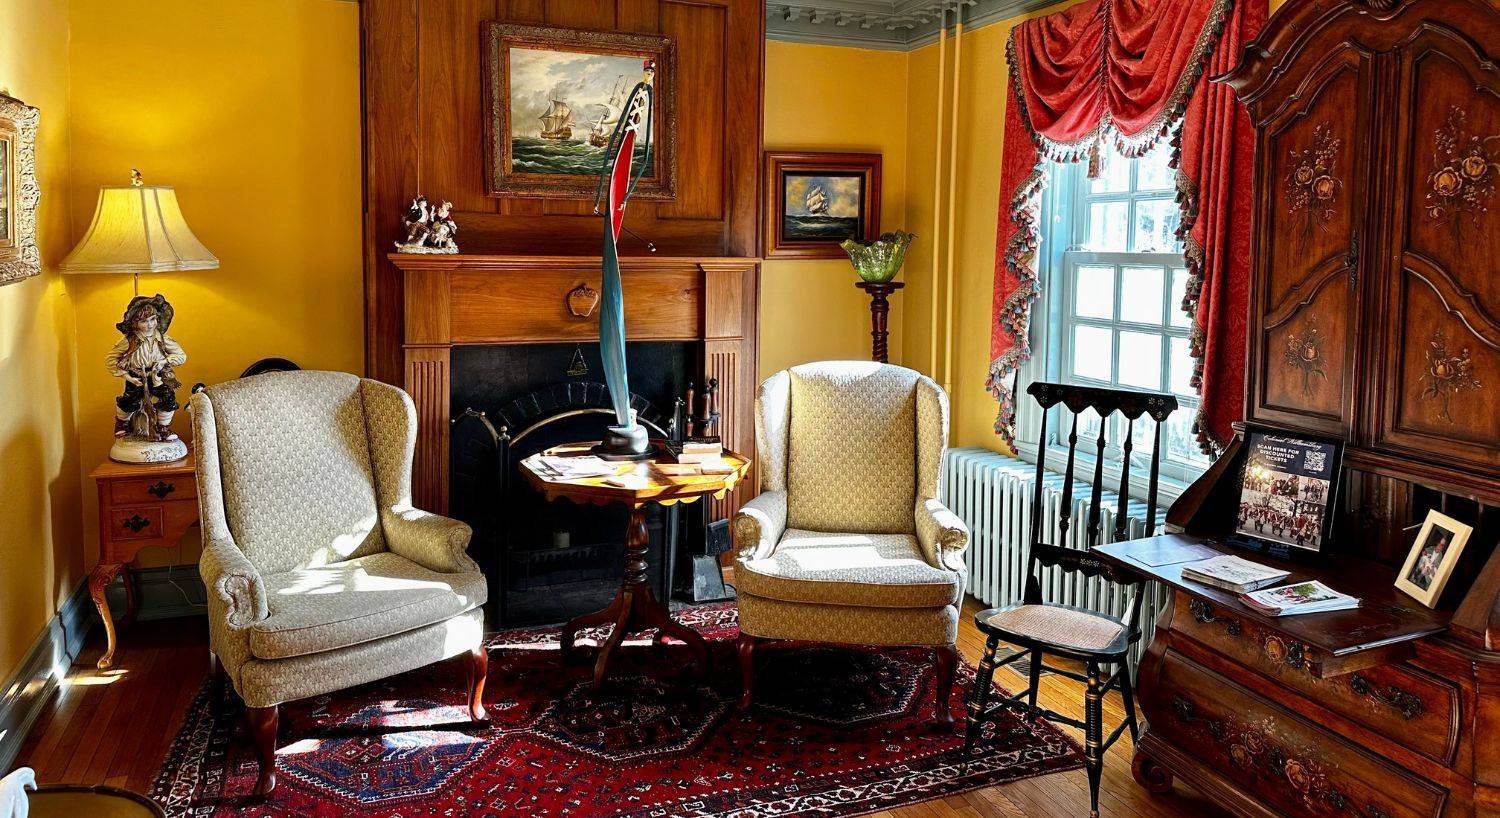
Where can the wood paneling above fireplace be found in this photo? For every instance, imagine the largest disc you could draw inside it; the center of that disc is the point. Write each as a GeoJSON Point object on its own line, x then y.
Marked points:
{"type": "Point", "coordinates": [424, 133]}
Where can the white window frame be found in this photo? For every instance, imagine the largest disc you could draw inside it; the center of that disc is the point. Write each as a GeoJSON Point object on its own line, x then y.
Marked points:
{"type": "Point", "coordinates": [1052, 322]}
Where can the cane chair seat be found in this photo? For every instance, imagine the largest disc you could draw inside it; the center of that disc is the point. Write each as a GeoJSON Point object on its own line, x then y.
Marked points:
{"type": "Point", "coordinates": [1062, 627]}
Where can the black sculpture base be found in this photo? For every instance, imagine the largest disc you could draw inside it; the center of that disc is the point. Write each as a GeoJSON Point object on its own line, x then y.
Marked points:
{"type": "Point", "coordinates": [622, 443]}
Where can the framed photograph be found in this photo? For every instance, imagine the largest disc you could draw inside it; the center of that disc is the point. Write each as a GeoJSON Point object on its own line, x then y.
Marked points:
{"type": "Point", "coordinates": [1432, 558]}
{"type": "Point", "coordinates": [1288, 488]}
{"type": "Point", "coordinates": [19, 192]}
{"type": "Point", "coordinates": [813, 201]}
{"type": "Point", "coordinates": [553, 97]}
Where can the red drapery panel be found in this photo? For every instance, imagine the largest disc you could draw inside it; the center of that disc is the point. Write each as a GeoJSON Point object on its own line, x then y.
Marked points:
{"type": "Point", "coordinates": [1215, 174]}
{"type": "Point", "coordinates": [1121, 72]}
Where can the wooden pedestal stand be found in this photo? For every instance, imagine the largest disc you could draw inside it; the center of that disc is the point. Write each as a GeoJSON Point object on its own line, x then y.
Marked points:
{"type": "Point", "coordinates": [880, 310]}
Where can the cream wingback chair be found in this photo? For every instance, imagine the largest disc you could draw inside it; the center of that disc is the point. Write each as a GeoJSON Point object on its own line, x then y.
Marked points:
{"type": "Point", "coordinates": [321, 574]}
{"type": "Point", "coordinates": [848, 541]}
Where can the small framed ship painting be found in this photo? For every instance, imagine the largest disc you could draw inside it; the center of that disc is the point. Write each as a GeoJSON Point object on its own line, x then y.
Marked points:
{"type": "Point", "coordinates": [813, 201]}
{"type": "Point", "coordinates": [553, 98]}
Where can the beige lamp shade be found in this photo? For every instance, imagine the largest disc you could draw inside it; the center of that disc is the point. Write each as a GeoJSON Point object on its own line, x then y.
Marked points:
{"type": "Point", "coordinates": [138, 229]}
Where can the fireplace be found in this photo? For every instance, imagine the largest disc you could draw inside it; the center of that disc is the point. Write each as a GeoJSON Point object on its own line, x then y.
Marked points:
{"type": "Point", "coordinates": [550, 561]}
{"type": "Point", "coordinates": [499, 334]}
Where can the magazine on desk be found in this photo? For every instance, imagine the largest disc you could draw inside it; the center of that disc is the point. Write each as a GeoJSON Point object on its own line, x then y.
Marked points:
{"type": "Point", "coordinates": [1302, 598]}
{"type": "Point", "coordinates": [1233, 573]}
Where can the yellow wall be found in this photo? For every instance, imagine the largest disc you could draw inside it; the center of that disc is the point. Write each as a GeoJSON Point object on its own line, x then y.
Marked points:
{"type": "Point", "coordinates": [252, 111]}
{"type": "Point", "coordinates": [41, 562]}
{"type": "Point", "coordinates": [828, 98]}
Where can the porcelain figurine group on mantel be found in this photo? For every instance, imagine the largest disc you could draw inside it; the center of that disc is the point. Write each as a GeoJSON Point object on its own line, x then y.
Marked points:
{"type": "Point", "coordinates": [429, 228]}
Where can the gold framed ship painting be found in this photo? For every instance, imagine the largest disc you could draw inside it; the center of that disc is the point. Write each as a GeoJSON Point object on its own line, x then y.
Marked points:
{"type": "Point", "coordinates": [553, 97]}
{"type": "Point", "coordinates": [19, 192]}
{"type": "Point", "coordinates": [814, 201]}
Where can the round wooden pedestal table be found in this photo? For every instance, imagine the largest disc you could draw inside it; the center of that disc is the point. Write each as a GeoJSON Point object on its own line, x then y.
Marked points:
{"type": "Point", "coordinates": [635, 606]}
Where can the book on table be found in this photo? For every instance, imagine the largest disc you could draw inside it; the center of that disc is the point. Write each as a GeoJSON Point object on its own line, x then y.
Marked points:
{"type": "Point", "coordinates": [1300, 598]}
{"type": "Point", "coordinates": [1233, 573]}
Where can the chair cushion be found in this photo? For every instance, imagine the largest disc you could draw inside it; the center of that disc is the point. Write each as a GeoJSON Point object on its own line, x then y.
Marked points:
{"type": "Point", "coordinates": [1062, 626]}
{"type": "Point", "coordinates": [852, 447]}
{"type": "Point", "coordinates": [871, 570]}
{"type": "Point", "coordinates": [360, 600]}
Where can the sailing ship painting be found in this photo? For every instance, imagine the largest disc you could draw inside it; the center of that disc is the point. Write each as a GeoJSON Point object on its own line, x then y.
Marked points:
{"type": "Point", "coordinates": [563, 107]}
{"type": "Point", "coordinates": [822, 207]}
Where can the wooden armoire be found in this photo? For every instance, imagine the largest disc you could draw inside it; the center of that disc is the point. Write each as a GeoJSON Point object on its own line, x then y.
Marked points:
{"type": "Point", "coordinates": [1375, 317]}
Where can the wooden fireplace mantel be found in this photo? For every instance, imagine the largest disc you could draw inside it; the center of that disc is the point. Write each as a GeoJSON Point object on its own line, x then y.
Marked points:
{"type": "Point", "coordinates": [456, 300]}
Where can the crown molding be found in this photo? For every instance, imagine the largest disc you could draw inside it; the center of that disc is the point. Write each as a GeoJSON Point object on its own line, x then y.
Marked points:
{"type": "Point", "coordinates": [893, 25]}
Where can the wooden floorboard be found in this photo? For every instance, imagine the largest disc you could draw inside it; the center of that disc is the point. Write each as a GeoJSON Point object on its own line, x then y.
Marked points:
{"type": "Point", "coordinates": [115, 727]}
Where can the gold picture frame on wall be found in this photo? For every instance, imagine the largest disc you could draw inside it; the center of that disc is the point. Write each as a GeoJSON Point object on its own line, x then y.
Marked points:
{"type": "Point", "coordinates": [549, 96]}
{"type": "Point", "coordinates": [19, 192]}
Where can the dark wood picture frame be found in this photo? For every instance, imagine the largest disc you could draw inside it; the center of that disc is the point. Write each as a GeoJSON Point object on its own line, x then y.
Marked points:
{"type": "Point", "coordinates": [501, 181]}
{"type": "Point", "coordinates": [780, 164]}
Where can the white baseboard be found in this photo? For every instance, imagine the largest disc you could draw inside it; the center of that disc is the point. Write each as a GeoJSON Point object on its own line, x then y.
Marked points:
{"type": "Point", "coordinates": [33, 684]}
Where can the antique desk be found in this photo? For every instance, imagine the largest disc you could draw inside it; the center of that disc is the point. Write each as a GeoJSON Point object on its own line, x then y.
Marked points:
{"type": "Point", "coordinates": [140, 506]}
{"type": "Point", "coordinates": [635, 607]}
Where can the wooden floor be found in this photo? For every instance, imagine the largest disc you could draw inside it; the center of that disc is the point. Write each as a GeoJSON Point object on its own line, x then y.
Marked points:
{"type": "Point", "coordinates": [114, 727]}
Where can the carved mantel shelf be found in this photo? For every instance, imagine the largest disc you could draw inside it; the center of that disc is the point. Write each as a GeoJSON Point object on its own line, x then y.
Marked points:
{"type": "Point", "coordinates": [456, 300]}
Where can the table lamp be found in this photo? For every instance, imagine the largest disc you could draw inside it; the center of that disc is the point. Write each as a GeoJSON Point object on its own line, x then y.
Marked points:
{"type": "Point", "coordinates": [138, 228]}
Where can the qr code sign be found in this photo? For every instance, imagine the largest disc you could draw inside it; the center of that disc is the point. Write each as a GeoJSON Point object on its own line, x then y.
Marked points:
{"type": "Point", "coordinates": [1315, 461]}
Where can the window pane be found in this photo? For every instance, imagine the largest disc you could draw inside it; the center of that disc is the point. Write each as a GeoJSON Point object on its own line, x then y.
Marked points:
{"type": "Point", "coordinates": [1141, 294]}
{"type": "Point", "coordinates": [1140, 359]}
{"type": "Point", "coordinates": [1088, 429]}
{"type": "Point", "coordinates": [1108, 225]}
{"type": "Point", "coordinates": [1093, 349]}
{"type": "Point", "coordinates": [1180, 443]}
{"type": "Point", "coordinates": [1153, 172]}
{"type": "Point", "coordinates": [1094, 291]}
{"type": "Point", "coordinates": [1182, 368]}
{"type": "Point", "coordinates": [1114, 176]}
{"type": "Point", "coordinates": [1179, 292]}
{"type": "Point", "coordinates": [1155, 228]}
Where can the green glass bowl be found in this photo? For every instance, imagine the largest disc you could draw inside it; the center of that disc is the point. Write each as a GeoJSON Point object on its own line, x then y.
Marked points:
{"type": "Point", "coordinates": [879, 261]}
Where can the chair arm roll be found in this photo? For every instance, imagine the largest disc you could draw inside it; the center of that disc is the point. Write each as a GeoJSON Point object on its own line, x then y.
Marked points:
{"type": "Point", "coordinates": [430, 540]}
{"type": "Point", "coordinates": [227, 573]}
{"type": "Point", "coordinates": [942, 534]}
{"type": "Point", "coordinates": [759, 524]}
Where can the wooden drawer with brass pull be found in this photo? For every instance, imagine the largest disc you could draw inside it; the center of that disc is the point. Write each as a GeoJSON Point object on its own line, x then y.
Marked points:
{"type": "Point", "coordinates": [1291, 763]}
{"type": "Point", "coordinates": [136, 522]}
{"type": "Point", "coordinates": [153, 489]}
{"type": "Point", "coordinates": [1406, 704]}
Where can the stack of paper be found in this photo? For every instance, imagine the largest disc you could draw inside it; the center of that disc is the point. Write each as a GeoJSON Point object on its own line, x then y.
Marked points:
{"type": "Point", "coordinates": [1303, 598]}
{"type": "Point", "coordinates": [571, 468]}
{"type": "Point", "coordinates": [1233, 574]}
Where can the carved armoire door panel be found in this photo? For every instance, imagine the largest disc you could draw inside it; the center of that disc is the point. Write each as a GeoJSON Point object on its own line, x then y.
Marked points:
{"type": "Point", "coordinates": [1311, 160]}
{"type": "Point", "coordinates": [1441, 392]}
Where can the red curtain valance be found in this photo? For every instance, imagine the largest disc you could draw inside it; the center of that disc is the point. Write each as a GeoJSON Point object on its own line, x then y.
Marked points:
{"type": "Point", "coordinates": [1119, 69]}
{"type": "Point", "coordinates": [1122, 72]}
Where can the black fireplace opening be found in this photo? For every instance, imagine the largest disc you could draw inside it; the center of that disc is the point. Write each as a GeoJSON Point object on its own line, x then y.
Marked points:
{"type": "Point", "coordinates": [548, 562]}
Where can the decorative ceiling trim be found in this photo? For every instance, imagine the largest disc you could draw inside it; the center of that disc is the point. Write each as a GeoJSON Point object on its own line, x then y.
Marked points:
{"type": "Point", "coordinates": [894, 25]}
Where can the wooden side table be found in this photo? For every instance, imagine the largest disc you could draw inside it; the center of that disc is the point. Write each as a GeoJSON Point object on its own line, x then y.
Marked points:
{"type": "Point", "coordinates": [635, 607]}
{"type": "Point", "coordinates": [140, 506]}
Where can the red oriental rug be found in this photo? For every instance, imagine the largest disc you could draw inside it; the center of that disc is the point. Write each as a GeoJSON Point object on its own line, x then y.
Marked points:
{"type": "Point", "coordinates": [834, 732]}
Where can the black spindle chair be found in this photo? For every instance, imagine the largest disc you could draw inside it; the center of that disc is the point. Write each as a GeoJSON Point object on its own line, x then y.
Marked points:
{"type": "Point", "coordinates": [1040, 628]}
